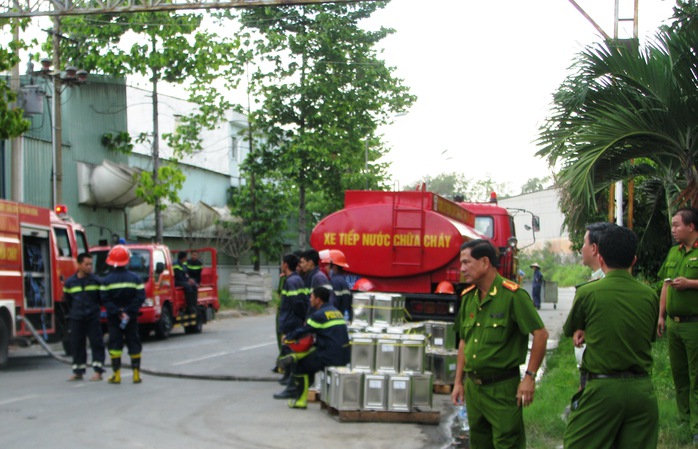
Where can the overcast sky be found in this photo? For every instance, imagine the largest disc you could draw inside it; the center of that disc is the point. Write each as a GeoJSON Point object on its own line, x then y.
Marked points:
{"type": "Point", "coordinates": [484, 73]}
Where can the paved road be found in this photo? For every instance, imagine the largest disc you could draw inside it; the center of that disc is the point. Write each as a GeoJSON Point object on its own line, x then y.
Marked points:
{"type": "Point", "coordinates": [38, 408]}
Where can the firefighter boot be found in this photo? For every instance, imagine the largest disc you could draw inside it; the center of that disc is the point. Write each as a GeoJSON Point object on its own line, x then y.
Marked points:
{"type": "Point", "coordinates": [136, 367]}
{"type": "Point", "coordinates": [302, 385]}
{"type": "Point", "coordinates": [115, 378]}
{"type": "Point", "coordinates": [286, 378]}
{"type": "Point", "coordinates": [291, 391]}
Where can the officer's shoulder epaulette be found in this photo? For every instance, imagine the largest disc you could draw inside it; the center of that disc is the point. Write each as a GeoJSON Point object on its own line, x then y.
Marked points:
{"type": "Point", "coordinates": [509, 285]}
{"type": "Point", "coordinates": [467, 290]}
{"type": "Point", "coordinates": [585, 283]}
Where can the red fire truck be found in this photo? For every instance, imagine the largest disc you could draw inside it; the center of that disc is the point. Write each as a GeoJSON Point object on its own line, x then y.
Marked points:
{"type": "Point", "coordinates": [409, 242]}
{"type": "Point", "coordinates": [38, 248]}
{"type": "Point", "coordinates": [165, 305]}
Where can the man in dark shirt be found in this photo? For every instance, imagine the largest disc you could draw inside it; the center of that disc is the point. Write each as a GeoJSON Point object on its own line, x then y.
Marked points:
{"type": "Point", "coordinates": [82, 295]}
{"type": "Point", "coordinates": [183, 280]}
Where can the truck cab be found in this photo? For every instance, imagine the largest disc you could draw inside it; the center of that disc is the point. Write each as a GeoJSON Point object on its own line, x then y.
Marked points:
{"type": "Point", "coordinates": [165, 305]}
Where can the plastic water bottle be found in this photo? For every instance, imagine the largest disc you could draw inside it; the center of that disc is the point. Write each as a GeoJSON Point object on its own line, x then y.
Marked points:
{"type": "Point", "coordinates": [463, 418]}
{"type": "Point", "coordinates": [346, 316]}
{"type": "Point", "coordinates": [124, 322]}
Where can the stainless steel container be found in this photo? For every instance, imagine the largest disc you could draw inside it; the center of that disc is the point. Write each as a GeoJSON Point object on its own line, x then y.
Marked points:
{"type": "Point", "coordinates": [326, 389]}
{"type": "Point", "coordinates": [399, 393]}
{"type": "Point", "coordinates": [346, 389]}
{"type": "Point", "coordinates": [443, 365]}
{"type": "Point", "coordinates": [412, 353]}
{"type": "Point", "coordinates": [388, 354]}
{"type": "Point", "coordinates": [375, 389]}
{"type": "Point", "coordinates": [443, 336]}
{"type": "Point", "coordinates": [363, 352]}
{"type": "Point", "coordinates": [422, 386]}
{"type": "Point", "coordinates": [388, 309]}
{"type": "Point", "coordinates": [362, 304]}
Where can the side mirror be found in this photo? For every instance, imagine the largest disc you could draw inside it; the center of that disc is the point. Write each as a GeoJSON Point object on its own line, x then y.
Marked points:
{"type": "Point", "coordinates": [159, 267]}
{"type": "Point", "coordinates": [535, 223]}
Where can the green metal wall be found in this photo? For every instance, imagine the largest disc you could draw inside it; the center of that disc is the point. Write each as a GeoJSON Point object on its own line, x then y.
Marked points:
{"type": "Point", "coordinates": [88, 111]}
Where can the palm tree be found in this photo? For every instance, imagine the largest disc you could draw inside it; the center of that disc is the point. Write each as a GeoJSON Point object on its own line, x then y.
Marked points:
{"type": "Point", "coordinates": [624, 105]}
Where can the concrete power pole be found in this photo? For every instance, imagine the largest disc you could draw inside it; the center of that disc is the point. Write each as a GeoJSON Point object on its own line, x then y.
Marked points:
{"type": "Point", "coordinates": [17, 158]}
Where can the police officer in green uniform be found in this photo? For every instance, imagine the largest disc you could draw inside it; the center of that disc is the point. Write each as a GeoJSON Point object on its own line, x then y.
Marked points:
{"type": "Point", "coordinates": [495, 319]}
{"type": "Point", "coordinates": [678, 313]}
{"type": "Point", "coordinates": [615, 316]}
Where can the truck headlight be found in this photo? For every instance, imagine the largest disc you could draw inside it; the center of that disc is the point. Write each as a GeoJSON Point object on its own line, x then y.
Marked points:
{"type": "Point", "coordinates": [148, 302]}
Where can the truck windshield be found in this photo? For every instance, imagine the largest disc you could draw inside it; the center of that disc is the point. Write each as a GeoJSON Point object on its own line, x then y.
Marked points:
{"type": "Point", "coordinates": [485, 225]}
{"type": "Point", "coordinates": [139, 264]}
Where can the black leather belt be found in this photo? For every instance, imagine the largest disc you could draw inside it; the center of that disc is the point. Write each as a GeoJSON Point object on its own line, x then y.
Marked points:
{"type": "Point", "coordinates": [485, 379]}
{"type": "Point", "coordinates": [685, 319]}
{"type": "Point", "coordinates": [621, 375]}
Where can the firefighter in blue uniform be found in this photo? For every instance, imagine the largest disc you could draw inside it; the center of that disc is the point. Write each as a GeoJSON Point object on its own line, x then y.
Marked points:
{"type": "Point", "coordinates": [123, 293]}
{"type": "Point", "coordinates": [313, 276]}
{"type": "Point", "coordinates": [194, 267]}
{"type": "Point", "coordinates": [331, 346]}
{"type": "Point", "coordinates": [340, 287]}
{"type": "Point", "coordinates": [182, 279]}
{"type": "Point", "coordinates": [293, 309]}
{"type": "Point", "coordinates": [82, 295]}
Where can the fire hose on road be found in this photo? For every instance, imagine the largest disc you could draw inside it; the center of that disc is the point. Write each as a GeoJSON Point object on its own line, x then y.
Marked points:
{"type": "Point", "coordinates": [151, 372]}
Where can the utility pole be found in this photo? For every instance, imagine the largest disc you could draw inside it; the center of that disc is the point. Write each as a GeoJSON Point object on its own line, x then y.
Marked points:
{"type": "Point", "coordinates": [57, 116]}
{"type": "Point", "coordinates": [17, 160]}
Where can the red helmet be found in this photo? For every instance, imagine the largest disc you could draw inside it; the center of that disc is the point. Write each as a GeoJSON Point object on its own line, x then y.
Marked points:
{"type": "Point", "coordinates": [363, 285]}
{"type": "Point", "coordinates": [445, 287]}
{"type": "Point", "coordinates": [118, 256]}
{"type": "Point", "coordinates": [303, 344]}
{"type": "Point", "coordinates": [337, 258]}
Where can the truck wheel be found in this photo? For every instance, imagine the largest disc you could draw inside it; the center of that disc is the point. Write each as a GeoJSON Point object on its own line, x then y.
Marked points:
{"type": "Point", "coordinates": [198, 327]}
{"type": "Point", "coordinates": [4, 343]}
{"type": "Point", "coordinates": [164, 326]}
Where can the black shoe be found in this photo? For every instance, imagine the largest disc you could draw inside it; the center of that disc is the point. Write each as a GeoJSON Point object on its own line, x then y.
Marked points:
{"type": "Point", "coordinates": [284, 380]}
{"type": "Point", "coordinates": [276, 370]}
{"type": "Point", "coordinates": [286, 394]}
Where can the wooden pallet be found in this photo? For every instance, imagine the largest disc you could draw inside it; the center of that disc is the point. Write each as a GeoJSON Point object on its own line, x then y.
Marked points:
{"type": "Point", "coordinates": [443, 388]}
{"type": "Point", "coordinates": [313, 396]}
{"type": "Point", "coordinates": [414, 417]}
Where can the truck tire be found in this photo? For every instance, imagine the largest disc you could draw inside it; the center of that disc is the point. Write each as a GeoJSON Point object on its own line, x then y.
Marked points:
{"type": "Point", "coordinates": [4, 343]}
{"type": "Point", "coordinates": [199, 326]}
{"type": "Point", "coordinates": [164, 325]}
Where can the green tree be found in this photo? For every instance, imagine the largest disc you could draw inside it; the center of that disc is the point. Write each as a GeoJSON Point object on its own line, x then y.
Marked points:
{"type": "Point", "coordinates": [172, 48]}
{"type": "Point", "coordinates": [628, 114]}
{"type": "Point", "coordinates": [12, 121]}
{"type": "Point", "coordinates": [263, 205]}
{"type": "Point", "coordinates": [535, 185]}
{"type": "Point", "coordinates": [456, 185]}
{"type": "Point", "coordinates": [320, 91]}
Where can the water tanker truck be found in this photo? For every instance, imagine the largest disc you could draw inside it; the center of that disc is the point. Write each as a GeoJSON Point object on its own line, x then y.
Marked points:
{"type": "Point", "coordinates": [409, 243]}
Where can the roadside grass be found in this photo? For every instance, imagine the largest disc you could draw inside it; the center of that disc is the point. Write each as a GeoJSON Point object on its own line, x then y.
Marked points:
{"type": "Point", "coordinates": [545, 426]}
{"type": "Point", "coordinates": [228, 302]}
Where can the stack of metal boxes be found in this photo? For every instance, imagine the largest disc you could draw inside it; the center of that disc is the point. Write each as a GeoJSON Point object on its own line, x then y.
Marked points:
{"type": "Point", "coordinates": [388, 360]}
{"type": "Point", "coordinates": [442, 351]}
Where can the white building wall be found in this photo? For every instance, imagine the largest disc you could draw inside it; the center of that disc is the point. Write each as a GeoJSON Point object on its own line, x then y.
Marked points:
{"type": "Point", "coordinates": [544, 204]}
{"type": "Point", "coordinates": [223, 147]}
